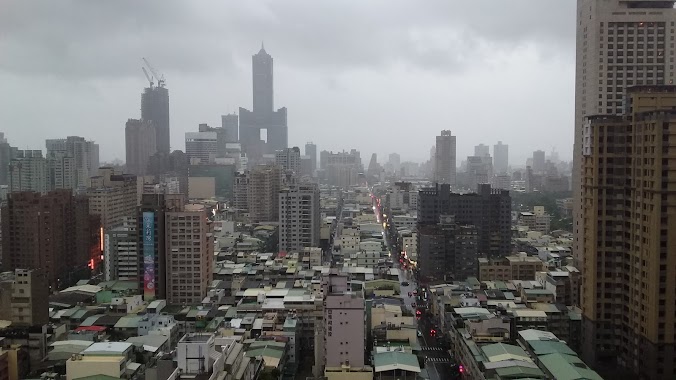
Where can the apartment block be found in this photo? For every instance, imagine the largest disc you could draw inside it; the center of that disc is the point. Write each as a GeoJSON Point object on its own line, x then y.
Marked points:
{"type": "Point", "coordinates": [121, 254]}
{"type": "Point", "coordinates": [500, 158]}
{"type": "Point", "coordinates": [190, 255]}
{"type": "Point", "coordinates": [629, 209]}
{"type": "Point", "coordinates": [289, 159]}
{"type": "Point", "coordinates": [444, 158]}
{"type": "Point", "coordinates": [201, 147]}
{"type": "Point", "coordinates": [299, 217]}
{"type": "Point", "coordinates": [513, 267]}
{"type": "Point", "coordinates": [140, 144]}
{"type": "Point", "coordinates": [28, 171]}
{"type": "Point", "coordinates": [447, 251]}
{"type": "Point", "coordinates": [537, 220]}
{"type": "Point", "coordinates": [23, 295]}
{"type": "Point", "coordinates": [264, 186]}
{"type": "Point", "coordinates": [113, 197]}
{"type": "Point", "coordinates": [84, 155]}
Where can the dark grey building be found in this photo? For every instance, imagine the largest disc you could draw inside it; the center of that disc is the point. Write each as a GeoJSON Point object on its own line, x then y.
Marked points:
{"type": "Point", "coordinates": [263, 118]}
{"type": "Point", "coordinates": [488, 209]}
{"type": "Point", "coordinates": [155, 107]}
{"type": "Point", "coordinates": [447, 251]}
{"type": "Point", "coordinates": [230, 124]}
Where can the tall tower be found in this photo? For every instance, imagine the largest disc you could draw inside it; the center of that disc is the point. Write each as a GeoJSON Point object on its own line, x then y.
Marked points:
{"type": "Point", "coordinates": [155, 108]}
{"type": "Point", "coordinates": [311, 151]}
{"type": "Point", "coordinates": [500, 158]}
{"type": "Point", "coordinates": [141, 144]}
{"type": "Point", "coordinates": [262, 82]}
{"type": "Point", "coordinates": [299, 217]}
{"type": "Point", "coordinates": [619, 44]}
{"type": "Point", "coordinates": [628, 296]}
{"type": "Point", "coordinates": [444, 158]}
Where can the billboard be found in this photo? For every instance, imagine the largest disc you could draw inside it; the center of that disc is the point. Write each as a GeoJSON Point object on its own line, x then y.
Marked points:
{"type": "Point", "coordinates": [148, 256]}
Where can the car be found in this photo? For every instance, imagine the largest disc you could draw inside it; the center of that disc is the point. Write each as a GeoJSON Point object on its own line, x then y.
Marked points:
{"type": "Point", "coordinates": [405, 283]}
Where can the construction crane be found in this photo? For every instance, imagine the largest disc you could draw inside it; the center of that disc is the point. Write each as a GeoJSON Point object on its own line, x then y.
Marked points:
{"type": "Point", "coordinates": [159, 77]}
{"type": "Point", "coordinates": [150, 79]}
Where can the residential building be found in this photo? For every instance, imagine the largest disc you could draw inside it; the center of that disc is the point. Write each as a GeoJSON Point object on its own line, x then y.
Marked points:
{"type": "Point", "coordinates": [479, 171]}
{"type": "Point", "coordinates": [28, 172]}
{"type": "Point", "coordinates": [84, 164]}
{"type": "Point", "coordinates": [263, 117]}
{"type": "Point", "coordinates": [488, 209]}
{"type": "Point", "coordinates": [155, 109]}
{"type": "Point", "coordinates": [140, 145]}
{"type": "Point", "coordinates": [7, 152]}
{"type": "Point", "coordinates": [52, 232]}
{"type": "Point", "coordinates": [202, 147]}
{"type": "Point", "coordinates": [447, 251]}
{"type": "Point", "coordinates": [500, 158]}
{"type": "Point", "coordinates": [513, 267]}
{"type": "Point", "coordinates": [311, 151]}
{"type": "Point", "coordinates": [629, 253]}
{"type": "Point", "coordinates": [111, 359]}
{"type": "Point", "coordinates": [152, 242]}
{"type": "Point", "coordinates": [190, 255]}
{"type": "Point", "coordinates": [120, 251]}
{"type": "Point", "coordinates": [482, 150]}
{"type": "Point", "coordinates": [444, 159]}
{"type": "Point", "coordinates": [289, 159]}
{"type": "Point", "coordinates": [113, 196]}
{"type": "Point", "coordinates": [539, 161]}
{"type": "Point", "coordinates": [394, 161]}
{"type": "Point", "coordinates": [538, 220]}
{"type": "Point", "coordinates": [299, 217]}
{"type": "Point", "coordinates": [241, 191]}
{"type": "Point", "coordinates": [23, 295]}
{"type": "Point", "coordinates": [264, 186]}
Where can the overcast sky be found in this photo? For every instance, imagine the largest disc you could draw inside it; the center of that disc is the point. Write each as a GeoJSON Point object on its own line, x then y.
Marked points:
{"type": "Point", "coordinates": [380, 76]}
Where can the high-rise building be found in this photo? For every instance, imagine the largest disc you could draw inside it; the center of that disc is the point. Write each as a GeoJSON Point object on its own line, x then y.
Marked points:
{"type": "Point", "coordinates": [151, 224]}
{"type": "Point", "coordinates": [230, 124]}
{"type": "Point", "coordinates": [289, 159]}
{"type": "Point", "coordinates": [140, 144]}
{"type": "Point", "coordinates": [482, 150]}
{"type": "Point", "coordinates": [189, 235]}
{"type": "Point", "coordinates": [447, 251]}
{"type": "Point", "coordinates": [52, 232]}
{"type": "Point", "coordinates": [343, 323]}
{"type": "Point", "coordinates": [155, 108]}
{"type": "Point", "coordinates": [241, 192]}
{"type": "Point", "coordinates": [444, 158]}
{"type": "Point", "coordinates": [82, 158]}
{"type": "Point", "coordinates": [479, 170]}
{"type": "Point", "coordinates": [629, 274]}
{"type": "Point", "coordinates": [619, 44]}
{"type": "Point", "coordinates": [500, 158]}
{"type": "Point", "coordinates": [28, 171]}
{"type": "Point", "coordinates": [488, 209]}
{"type": "Point", "coordinates": [202, 147]}
{"type": "Point", "coordinates": [263, 118]}
{"type": "Point", "coordinates": [6, 155]}
{"type": "Point", "coordinates": [24, 297]}
{"type": "Point", "coordinates": [539, 161]}
{"type": "Point", "coordinates": [113, 197]}
{"type": "Point", "coordinates": [299, 217]}
{"type": "Point", "coordinates": [311, 151]}
{"type": "Point", "coordinates": [264, 186]}
{"type": "Point", "coordinates": [395, 162]}
{"type": "Point", "coordinates": [120, 252]}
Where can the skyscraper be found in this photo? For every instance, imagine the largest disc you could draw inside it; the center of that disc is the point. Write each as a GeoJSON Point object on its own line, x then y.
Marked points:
{"type": "Point", "coordinates": [140, 144]}
{"type": "Point", "coordinates": [263, 193]}
{"type": "Point", "coordinates": [482, 150]}
{"type": "Point", "coordinates": [202, 147]}
{"type": "Point", "coordinates": [230, 124]}
{"type": "Point", "coordinates": [444, 158]}
{"type": "Point", "coordinates": [539, 161]}
{"type": "Point", "coordinates": [82, 161]}
{"type": "Point", "coordinates": [311, 151]}
{"type": "Point", "coordinates": [619, 44]}
{"type": "Point", "coordinates": [263, 119]}
{"type": "Point", "coordinates": [395, 162]}
{"type": "Point", "coordinates": [155, 108]}
{"type": "Point", "coordinates": [6, 154]}
{"type": "Point", "coordinates": [629, 273]}
{"type": "Point", "coordinates": [299, 217]}
{"type": "Point", "coordinates": [289, 159]}
{"type": "Point", "coordinates": [500, 158]}
{"type": "Point", "coordinates": [28, 172]}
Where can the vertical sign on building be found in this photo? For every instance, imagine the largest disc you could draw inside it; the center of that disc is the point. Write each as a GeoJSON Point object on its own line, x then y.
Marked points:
{"type": "Point", "coordinates": [149, 256]}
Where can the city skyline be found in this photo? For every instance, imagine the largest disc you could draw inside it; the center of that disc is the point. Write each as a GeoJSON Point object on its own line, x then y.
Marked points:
{"type": "Point", "coordinates": [365, 81]}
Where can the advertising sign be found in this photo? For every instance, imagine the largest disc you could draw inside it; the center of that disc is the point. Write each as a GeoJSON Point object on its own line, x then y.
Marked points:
{"type": "Point", "coordinates": [148, 256]}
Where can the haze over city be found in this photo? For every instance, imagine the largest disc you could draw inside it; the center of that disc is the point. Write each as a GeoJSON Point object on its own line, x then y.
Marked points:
{"type": "Point", "coordinates": [379, 76]}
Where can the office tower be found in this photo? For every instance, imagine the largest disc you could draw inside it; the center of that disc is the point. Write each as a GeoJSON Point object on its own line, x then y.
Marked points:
{"type": "Point", "coordinates": [140, 145]}
{"type": "Point", "coordinates": [113, 197]}
{"type": "Point", "coordinates": [230, 124]}
{"type": "Point", "coordinates": [629, 273]}
{"type": "Point", "coordinates": [311, 151]}
{"type": "Point", "coordinates": [289, 159]}
{"type": "Point", "coordinates": [189, 235]}
{"type": "Point", "coordinates": [619, 44]}
{"type": "Point", "coordinates": [6, 155]}
{"type": "Point", "coordinates": [343, 323]}
{"type": "Point", "coordinates": [121, 255]}
{"type": "Point", "coordinates": [539, 161]}
{"type": "Point", "coordinates": [24, 297]}
{"type": "Point", "coordinates": [28, 172]}
{"type": "Point", "coordinates": [299, 217]}
{"type": "Point", "coordinates": [479, 170]}
{"type": "Point", "coordinates": [82, 157]}
{"type": "Point", "coordinates": [263, 195]}
{"type": "Point", "coordinates": [488, 209]}
{"type": "Point", "coordinates": [444, 158]}
{"type": "Point", "coordinates": [481, 150]}
{"type": "Point", "coordinates": [201, 147]}
{"type": "Point", "coordinates": [151, 224]}
{"type": "Point", "coordinates": [395, 162]}
{"type": "Point", "coordinates": [155, 109]}
{"type": "Point", "coordinates": [447, 251]}
{"type": "Point", "coordinates": [263, 118]}
{"type": "Point", "coordinates": [52, 232]}
{"type": "Point", "coordinates": [500, 158]}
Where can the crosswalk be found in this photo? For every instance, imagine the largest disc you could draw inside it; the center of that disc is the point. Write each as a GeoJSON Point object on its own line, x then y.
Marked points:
{"type": "Point", "coordinates": [438, 360]}
{"type": "Point", "coordinates": [428, 348]}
